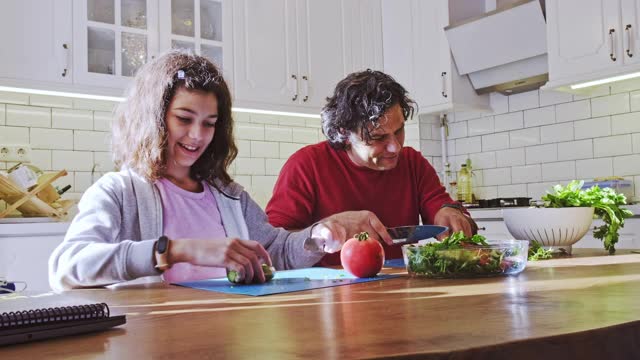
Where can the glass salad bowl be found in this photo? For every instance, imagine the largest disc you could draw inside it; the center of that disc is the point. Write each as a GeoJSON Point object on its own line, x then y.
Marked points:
{"type": "Point", "coordinates": [497, 257]}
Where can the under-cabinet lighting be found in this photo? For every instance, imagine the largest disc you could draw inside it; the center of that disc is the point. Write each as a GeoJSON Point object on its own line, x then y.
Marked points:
{"type": "Point", "coordinates": [605, 81]}
{"type": "Point", "coordinates": [120, 99]}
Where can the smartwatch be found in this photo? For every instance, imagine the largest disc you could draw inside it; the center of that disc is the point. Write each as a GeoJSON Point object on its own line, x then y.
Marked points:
{"type": "Point", "coordinates": [162, 253]}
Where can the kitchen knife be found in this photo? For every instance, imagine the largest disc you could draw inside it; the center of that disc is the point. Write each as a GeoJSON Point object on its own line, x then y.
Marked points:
{"type": "Point", "coordinates": [402, 235]}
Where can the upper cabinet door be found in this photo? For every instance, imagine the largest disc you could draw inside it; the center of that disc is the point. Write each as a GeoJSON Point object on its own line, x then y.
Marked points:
{"type": "Point", "coordinates": [36, 40]}
{"type": "Point", "coordinates": [630, 31]}
{"type": "Point", "coordinates": [583, 36]}
{"type": "Point", "coordinates": [321, 52]}
{"type": "Point", "coordinates": [265, 52]}
{"type": "Point", "coordinates": [201, 26]}
{"type": "Point", "coordinates": [363, 28]}
{"type": "Point", "coordinates": [113, 39]}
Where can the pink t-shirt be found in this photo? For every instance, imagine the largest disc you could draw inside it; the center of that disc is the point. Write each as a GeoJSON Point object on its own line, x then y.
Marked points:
{"type": "Point", "coordinates": [188, 215]}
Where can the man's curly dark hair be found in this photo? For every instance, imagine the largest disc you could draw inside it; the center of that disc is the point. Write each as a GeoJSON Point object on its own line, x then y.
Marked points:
{"type": "Point", "coordinates": [360, 99]}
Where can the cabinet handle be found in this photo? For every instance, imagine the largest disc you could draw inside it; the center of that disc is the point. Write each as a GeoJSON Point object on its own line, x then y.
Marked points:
{"type": "Point", "coordinates": [612, 41]}
{"type": "Point", "coordinates": [66, 60]}
{"type": "Point", "coordinates": [627, 29]}
{"type": "Point", "coordinates": [295, 94]}
{"type": "Point", "coordinates": [306, 88]}
{"type": "Point", "coordinates": [443, 75]}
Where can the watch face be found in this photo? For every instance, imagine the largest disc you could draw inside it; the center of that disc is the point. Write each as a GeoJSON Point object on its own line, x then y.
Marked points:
{"type": "Point", "coordinates": [163, 242]}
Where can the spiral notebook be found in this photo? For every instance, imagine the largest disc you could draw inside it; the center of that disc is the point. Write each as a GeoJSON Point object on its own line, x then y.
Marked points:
{"type": "Point", "coordinates": [39, 324]}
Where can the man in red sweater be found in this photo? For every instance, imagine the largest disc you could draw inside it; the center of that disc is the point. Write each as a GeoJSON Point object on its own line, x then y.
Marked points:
{"type": "Point", "coordinates": [364, 166]}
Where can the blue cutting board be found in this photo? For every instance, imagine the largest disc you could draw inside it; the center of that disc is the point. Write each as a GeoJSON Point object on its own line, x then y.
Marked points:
{"type": "Point", "coordinates": [286, 281]}
{"type": "Point", "coordinates": [394, 263]}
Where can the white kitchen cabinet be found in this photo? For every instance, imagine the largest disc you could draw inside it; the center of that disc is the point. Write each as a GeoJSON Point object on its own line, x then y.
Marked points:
{"type": "Point", "coordinates": [34, 34]}
{"type": "Point", "coordinates": [289, 54]}
{"type": "Point", "coordinates": [590, 40]}
{"type": "Point", "coordinates": [416, 53]}
{"type": "Point", "coordinates": [201, 26]}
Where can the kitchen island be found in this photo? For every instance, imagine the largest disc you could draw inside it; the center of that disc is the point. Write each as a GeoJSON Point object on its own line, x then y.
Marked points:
{"type": "Point", "coordinates": [582, 307]}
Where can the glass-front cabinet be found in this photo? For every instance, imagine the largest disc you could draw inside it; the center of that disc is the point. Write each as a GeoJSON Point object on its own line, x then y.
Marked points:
{"type": "Point", "coordinates": [195, 25]}
{"type": "Point", "coordinates": [114, 38]}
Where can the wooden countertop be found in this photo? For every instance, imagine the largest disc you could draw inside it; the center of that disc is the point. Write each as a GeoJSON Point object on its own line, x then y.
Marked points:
{"type": "Point", "coordinates": [582, 307]}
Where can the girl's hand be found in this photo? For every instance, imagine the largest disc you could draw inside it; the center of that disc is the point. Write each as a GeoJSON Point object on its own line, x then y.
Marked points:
{"type": "Point", "coordinates": [244, 256]}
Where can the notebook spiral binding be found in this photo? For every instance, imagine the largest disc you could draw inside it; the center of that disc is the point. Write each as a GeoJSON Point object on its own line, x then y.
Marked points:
{"type": "Point", "coordinates": [54, 315]}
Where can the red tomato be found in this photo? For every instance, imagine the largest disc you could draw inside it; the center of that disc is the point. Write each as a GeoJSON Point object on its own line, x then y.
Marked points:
{"type": "Point", "coordinates": [362, 256]}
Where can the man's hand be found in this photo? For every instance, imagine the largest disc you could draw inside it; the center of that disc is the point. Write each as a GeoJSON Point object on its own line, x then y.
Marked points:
{"type": "Point", "coordinates": [455, 220]}
{"type": "Point", "coordinates": [338, 228]}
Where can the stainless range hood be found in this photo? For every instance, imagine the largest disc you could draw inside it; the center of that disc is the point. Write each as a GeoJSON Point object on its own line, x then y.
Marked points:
{"type": "Point", "coordinates": [504, 50]}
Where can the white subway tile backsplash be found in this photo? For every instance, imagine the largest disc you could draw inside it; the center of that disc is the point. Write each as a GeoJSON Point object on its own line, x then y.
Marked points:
{"type": "Point", "coordinates": [264, 149]}
{"type": "Point", "coordinates": [72, 119]}
{"type": "Point", "coordinates": [273, 133]}
{"type": "Point", "coordinates": [431, 148]}
{"type": "Point", "coordinates": [536, 190]}
{"type": "Point", "coordinates": [518, 190]}
{"type": "Point", "coordinates": [612, 145]}
{"type": "Point", "coordinates": [485, 192]}
{"type": "Point", "coordinates": [541, 154]}
{"type": "Point", "coordinates": [263, 183]}
{"type": "Point", "coordinates": [594, 92]}
{"type": "Point", "coordinates": [525, 100]}
{"type": "Point", "coordinates": [485, 160]}
{"type": "Point", "coordinates": [497, 141]}
{"type": "Point", "coordinates": [499, 103]}
{"type": "Point", "coordinates": [556, 133]}
{"type": "Point", "coordinates": [573, 150]}
{"type": "Point", "coordinates": [457, 130]}
{"type": "Point", "coordinates": [608, 105]}
{"type": "Point", "coordinates": [273, 166]}
{"type": "Point", "coordinates": [624, 86]}
{"type": "Point", "coordinates": [241, 117]}
{"type": "Point", "coordinates": [592, 128]}
{"type": "Point", "coordinates": [549, 97]}
{"type": "Point", "coordinates": [526, 174]}
{"type": "Point", "coordinates": [244, 180]}
{"type": "Point", "coordinates": [451, 147]}
{"type": "Point", "coordinates": [291, 121]}
{"type": "Point", "coordinates": [481, 126]}
{"type": "Point", "coordinates": [100, 105]}
{"type": "Point", "coordinates": [103, 161]}
{"type": "Point", "coordinates": [287, 149]}
{"type": "Point", "coordinates": [72, 160]}
{"type": "Point", "coordinates": [626, 165]}
{"type": "Point", "coordinates": [249, 132]}
{"type": "Point", "coordinates": [525, 137]}
{"type": "Point", "coordinates": [510, 121]}
{"type": "Point", "coordinates": [426, 131]}
{"type": "Point", "coordinates": [559, 171]}
{"type": "Point", "coordinates": [82, 181]}
{"type": "Point", "coordinates": [244, 148]}
{"type": "Point", "coordinates": [102, 120]}
{"type": "Point", "coordinates": [463, 116]}
{"type": "Point", "coordinates": [411, 131]}
{"type": "Point", "coordinates": [316, 123]}
{"type": "Point", "coordinates": [635, 140]}
{"type": "Point", "coordinates": [51, 139]}
{"type": "Point", "coordinates": [634, 99]}
{"type": "Point", "coordinates": [14, 135]}
{"type": "Point", "coordinates": [573, 111]}
{"type": "Point", "coordinates": [250, 166]}
{"type": "Point", "coordinates": [3, 114]}
{"type": "Point", "coordinates": [266, 119]}
{"type": "Point", "coordinates": [19, 115]}
{"type": "Point", "coordinates": [593, 168]}
{"type": "Point", "coordinates": [499, 176]}
{"type": "Point", "coordinates": [41, 159]}
{"type": "Point", "coordinates": [540, 116]}
{"type": "Point", "coordinates": [14, 98]}
{"type": "Point", "coordinates": [510, 157]}
{"type": "Point", "coordinates": [50, 101]}
{"type": "Point", "coordinates": [468, 145]}
{"type": "Point", "coordinates": [305, 136]}
{"type": "Point", "coordinates": [91, 140]}
{"type": "Point", "coordinates": [625, 123]}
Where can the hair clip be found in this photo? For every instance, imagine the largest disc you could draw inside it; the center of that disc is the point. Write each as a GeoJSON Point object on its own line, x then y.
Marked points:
{"type": "Point", "coordinates": [181, 74]}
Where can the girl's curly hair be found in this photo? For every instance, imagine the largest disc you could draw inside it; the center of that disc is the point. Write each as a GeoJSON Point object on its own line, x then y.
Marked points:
{"type": "Point", "coordinates": [361, 99]}
{"type": "Point", "coordinates": [139, 138]}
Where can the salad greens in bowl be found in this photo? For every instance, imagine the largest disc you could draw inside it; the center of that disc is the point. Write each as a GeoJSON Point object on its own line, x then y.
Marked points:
{"type": "Point", "coordinates": [457, 256]}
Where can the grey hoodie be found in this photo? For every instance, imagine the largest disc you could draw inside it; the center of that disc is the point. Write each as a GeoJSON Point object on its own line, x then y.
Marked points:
{"type": "Point", "coordinates": [119, 219]}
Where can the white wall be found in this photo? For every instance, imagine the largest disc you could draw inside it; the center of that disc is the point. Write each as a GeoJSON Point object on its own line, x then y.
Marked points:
{"type": "Point", "coordinates": [74, 134]}
{"type": "Point", "coordinates": [540, 138]}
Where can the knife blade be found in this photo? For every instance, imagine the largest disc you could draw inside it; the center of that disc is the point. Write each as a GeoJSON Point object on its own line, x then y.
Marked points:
{"type": "Point", "coordinates": [402, 235]}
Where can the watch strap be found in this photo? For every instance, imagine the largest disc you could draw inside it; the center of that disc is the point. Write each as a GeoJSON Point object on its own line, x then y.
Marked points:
{"type": "Point", "coordinates": [161, 253]}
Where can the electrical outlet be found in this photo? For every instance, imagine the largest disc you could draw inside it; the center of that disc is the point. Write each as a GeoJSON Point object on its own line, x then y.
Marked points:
{"type": "Point", "coordinates": [15, 153]}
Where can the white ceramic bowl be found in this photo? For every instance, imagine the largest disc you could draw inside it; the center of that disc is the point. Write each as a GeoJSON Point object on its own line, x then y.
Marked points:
{"type": "Point", "coordinates": [551, 227]}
